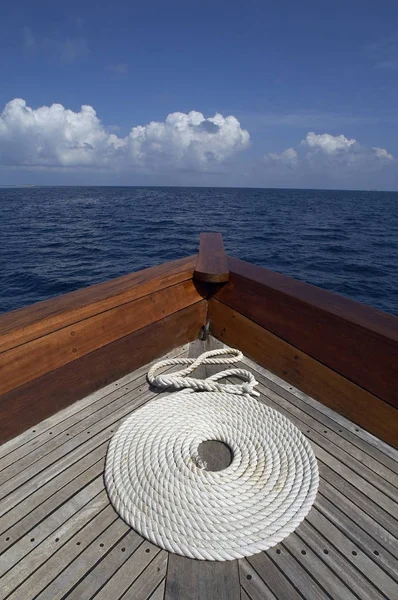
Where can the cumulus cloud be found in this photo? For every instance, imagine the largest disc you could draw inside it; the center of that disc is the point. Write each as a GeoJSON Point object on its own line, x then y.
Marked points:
{"type": "Point", "coordinates": [328, 143]}
{"type": "Point", "coordinates": [323, 151]}
{"type": "Point", "coordinates": [382, 153]}
{"type": "Point", "coordinates": [288, 156]}
{"type": "Point", "coordinates": [53, 136]}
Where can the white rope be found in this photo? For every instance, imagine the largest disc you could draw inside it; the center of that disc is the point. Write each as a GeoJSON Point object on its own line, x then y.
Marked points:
{"type": "Point", "coordinates": [155, 480]}
{"type": "Point", "coordinates": [179, 379]}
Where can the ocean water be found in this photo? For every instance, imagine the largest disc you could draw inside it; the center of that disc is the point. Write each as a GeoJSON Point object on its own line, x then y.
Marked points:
{"type": "Point", "coordinates": [55, 240]}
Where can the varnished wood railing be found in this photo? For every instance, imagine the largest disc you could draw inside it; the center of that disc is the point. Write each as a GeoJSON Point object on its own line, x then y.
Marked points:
{"type": "Point", "coordinates": [56, 351]}
{"type": "Point", "coordinates": [339, 351]}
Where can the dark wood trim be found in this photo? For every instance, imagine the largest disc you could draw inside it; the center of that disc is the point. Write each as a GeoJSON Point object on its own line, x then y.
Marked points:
{"type": "Point", "coordinates": [37, 357]}
{"type": "Point", "coordinates": [211, 265]}
{"type": "Point", "coordinates": [25, 324]}
{"type": "Point", "coordinates": [303, 371]}
{"type": "Point", "coordinates": [357, 341]}
{"type": "Point", "coordinates": [29, 404]}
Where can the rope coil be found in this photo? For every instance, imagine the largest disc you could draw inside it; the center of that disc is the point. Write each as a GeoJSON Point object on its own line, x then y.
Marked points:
{"type": "Point", "coordinates": [159, 487]}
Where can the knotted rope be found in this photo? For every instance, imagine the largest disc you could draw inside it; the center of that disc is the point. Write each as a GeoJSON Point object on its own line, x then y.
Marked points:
{"type": "Point", "coordinates": [158, 485]}
{"type": "Point", "coordinates": [180, 379]}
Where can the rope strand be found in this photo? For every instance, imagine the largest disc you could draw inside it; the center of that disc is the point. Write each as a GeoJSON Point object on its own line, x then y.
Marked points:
{"type": "Point", "coordinates": [179, 379]}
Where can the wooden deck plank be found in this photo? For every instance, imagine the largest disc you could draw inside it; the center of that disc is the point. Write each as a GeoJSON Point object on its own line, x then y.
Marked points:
{"type": "Point", "coordinates": [197, 579]}
{"type": "Point", "coordinates": [252, 586]}
{"type": "Point", "coordinates": [318, 423]}
{"type": "Point", "coordinates": [318, 530]}
{"type": "Point", "coordinates": [359, 528]}
{"type": "Point", "coordinates": [83, 425]}
{"type": "Point", "coordinates": [18, 523]}
{"type": "Point", "coordinates": [67, 570]}
{"type": "Point", "coordinates": [158, 594]}
{"type": "Point", "coordinates": [43, 530]}
{"type": "Point", "coordinates": [279, 580]}
{"type": "Point", "coordinates": [333, 456]}
{"type": "Point", "coordinates": [311, 568]}
{"type": "Point", "coordinates": [59, 559]}
{"type": "Point", "coordinates": [32, 559]}
{"type": "Point", "coordinates": [371, 444]}
{"type": "Point", "coordinates": [129, 572]}
{"type": "Point", "coordinates": [149, 579]}
{"type": "Point", "coordinates": [105, 568]}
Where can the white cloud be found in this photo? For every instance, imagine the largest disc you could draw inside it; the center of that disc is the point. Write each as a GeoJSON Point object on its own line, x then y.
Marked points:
{"type": "Point", "coordinates": [288, 156]}
{"type": "Point", "coordinates": [52, 136]}
{"type": "Point", "coordinates": [328, 143]}
{"type": "Point", "coordinates": [329, 157]}
{"type": "Point", "coordinates": [382, 153]}
{"type": "Point", "coordinates": [188, 140]}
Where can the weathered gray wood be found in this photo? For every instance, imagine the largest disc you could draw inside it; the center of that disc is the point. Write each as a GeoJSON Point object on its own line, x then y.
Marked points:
{"type": "Point", "coordinates": [68, 570]}
{"type": "Point", "coordinates": [252, 584]}
{"type": "Point", "coordinates": [43, 530]}
{"type": "Point", "coordinates": [333, 432]}
{"type": "Point", "coordinates": [359, 498]}
{"type": "Point", "coordinates": [149, 579]}
{"type": "Point", "coordinates": [275, 578]}
{"type": "Point", "coordinates": [32, 559]}
{"type": "Point", "coordinates": [47, 468]}
{"type": "Point", "coordinates": [359, 527]}
{"type": "Point", "coordinates": [158, 594]}
{"type": "Point", "coordinates": [17, 523]}
{"type": "Point", "coordinates": [109, 565]}
{"type": "Point", "coordinates": [339, 564]}
{"type": "Point", "coordinates": [381, 449]}
{"type": "Point", "coordinates": [197, 579]}
{"type": "Point", "coordinates": [64, 555]}
{"type": "Point", "coordinates": [333, 456]}
{"type": "Point", "coordinates": [131, 569]}
{"type": "Point", "coordinates": [318, 530]}
{"type": "Point", "coordinates": [313, 569]}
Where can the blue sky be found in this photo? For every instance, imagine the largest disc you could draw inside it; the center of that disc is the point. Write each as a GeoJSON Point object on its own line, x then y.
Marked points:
{"type": "Point", "coordinates": [305, 93]}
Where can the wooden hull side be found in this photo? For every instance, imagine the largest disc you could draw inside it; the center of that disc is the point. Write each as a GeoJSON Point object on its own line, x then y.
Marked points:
{"type": "Point", "coordinates": [355, 340]}
{"type": "Point", "coordinates": [25, 406]}
{"type": "Point", "coordinates": [341, 352]}
{"type": "Point", "coordinates": [63, 349]}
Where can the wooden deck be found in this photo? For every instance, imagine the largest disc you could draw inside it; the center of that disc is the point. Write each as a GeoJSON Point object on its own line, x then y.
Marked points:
{"type": "Point", "coordinates": [61, 538]}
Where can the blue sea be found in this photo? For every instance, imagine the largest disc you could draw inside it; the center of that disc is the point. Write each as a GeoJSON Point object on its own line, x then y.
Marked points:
{"type": "Point", "coordinates": [55, 240]}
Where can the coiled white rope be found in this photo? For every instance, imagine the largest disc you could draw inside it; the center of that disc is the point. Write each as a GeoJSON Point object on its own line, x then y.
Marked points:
{"type": "Point", "coordinates": [157, 483]}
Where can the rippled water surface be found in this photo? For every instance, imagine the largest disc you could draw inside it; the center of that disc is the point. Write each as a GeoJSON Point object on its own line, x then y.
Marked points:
{"type": "Point", "coordinates": [55, 240]}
